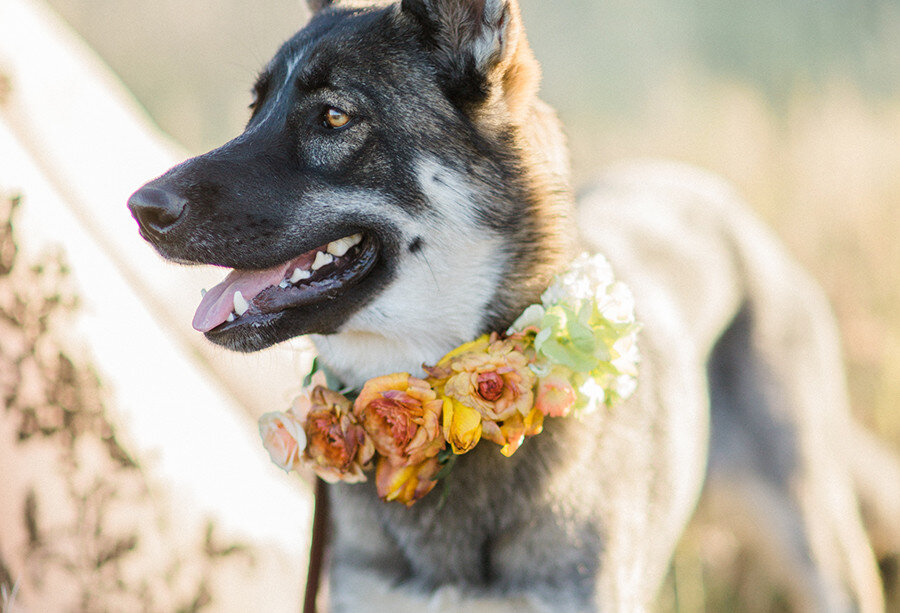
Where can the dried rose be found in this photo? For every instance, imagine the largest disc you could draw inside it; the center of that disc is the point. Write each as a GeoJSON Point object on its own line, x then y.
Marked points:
{"type": "Point", "coordinates": [511, 433]}
{"type": "Point", "coordinates": [402, 415]}
{"type": "Point", "coordinates": [338, 448]}
{"type": "Point", "coordinates": [490, 376]}
{"type": "Point", "coordinates": [405, 483]}
{"type": "Point", "coordinates": [283, 437]}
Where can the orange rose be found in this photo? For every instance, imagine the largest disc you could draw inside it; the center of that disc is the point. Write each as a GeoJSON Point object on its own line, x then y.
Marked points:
{"type": "Point", "coordinates": [405, 483]}
{"type": "Point", "coordinates": [337, 445]}
{"type": "Point", "coordinates": [402, 415]}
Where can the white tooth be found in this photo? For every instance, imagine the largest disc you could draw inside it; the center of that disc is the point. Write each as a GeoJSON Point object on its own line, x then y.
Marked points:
{"type": "Point", "coordinates": [354, 240]}
{"type": "Point", "coordinates": [203, 293]}
{"type": "Point", "coordinates": [322, 259]}
{"type": "Point", "coordinates": [300, 275]}
{"type": "Point", "coordinates": [230, 318]}
{"type": "Point", "coordinates": [339, 247]}
{"type": "Point", "coordinates": [284, 284]}
{"type": "Point", "coordinates": [240, 304]}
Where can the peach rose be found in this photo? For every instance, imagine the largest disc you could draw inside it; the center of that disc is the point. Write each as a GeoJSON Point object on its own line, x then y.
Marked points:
{"type": "Point", "coordinates": [402, 415]}
{"type": "Point", "coordinates": [283, 437]}
{"type": "Point", "coordinates": [555, 394]}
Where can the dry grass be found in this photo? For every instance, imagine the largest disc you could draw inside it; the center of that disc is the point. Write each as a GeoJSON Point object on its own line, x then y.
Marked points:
{"type": "Point", "coordinates": [823, 172]}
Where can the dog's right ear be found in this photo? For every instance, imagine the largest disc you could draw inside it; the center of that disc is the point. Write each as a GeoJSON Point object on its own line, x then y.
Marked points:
{"type": "Point", "coordinates": [479, 47]}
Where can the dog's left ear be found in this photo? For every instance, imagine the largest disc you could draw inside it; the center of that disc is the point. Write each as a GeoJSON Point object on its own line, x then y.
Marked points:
{"type": "Point", "coordinates": [317, 5]}
{"type": "Point", "coordinates": [480, 48]}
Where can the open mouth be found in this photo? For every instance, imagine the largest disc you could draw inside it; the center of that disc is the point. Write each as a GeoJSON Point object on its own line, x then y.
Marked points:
{"type": "Point", "coordinates": [256, 297]}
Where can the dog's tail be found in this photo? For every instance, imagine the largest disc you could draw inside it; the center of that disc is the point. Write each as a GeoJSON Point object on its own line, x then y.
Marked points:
{"type": "Point", "coordinates": [875, 470]}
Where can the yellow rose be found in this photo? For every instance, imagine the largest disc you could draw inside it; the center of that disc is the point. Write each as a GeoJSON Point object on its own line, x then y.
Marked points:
{"type": "Point", "coordinates": [405, 483]}
{"type": "Point", "coordinates": [462, 425]}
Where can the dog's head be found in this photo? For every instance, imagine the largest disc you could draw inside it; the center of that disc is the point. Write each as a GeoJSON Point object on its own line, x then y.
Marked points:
{"type": "Point", "coordinates": [398, 184]}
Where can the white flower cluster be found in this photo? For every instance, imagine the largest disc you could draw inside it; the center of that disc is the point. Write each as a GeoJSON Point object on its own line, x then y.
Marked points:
{"type": "Point", "coordinates": [590, 277]}
{"type": "Point", "coordinates": [589, 280]}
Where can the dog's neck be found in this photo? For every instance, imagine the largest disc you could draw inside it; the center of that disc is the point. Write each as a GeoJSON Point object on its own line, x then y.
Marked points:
{"type": "Point", "coordinates": [439, 299]}
{"type": "Point", "coordinates": [466, 279]}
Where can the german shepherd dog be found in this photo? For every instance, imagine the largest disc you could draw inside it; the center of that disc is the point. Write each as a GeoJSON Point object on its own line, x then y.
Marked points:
{"type": "Point", "coordinates": [400, 190]}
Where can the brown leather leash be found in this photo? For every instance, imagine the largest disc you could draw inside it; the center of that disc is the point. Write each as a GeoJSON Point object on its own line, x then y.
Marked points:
{"type": "Point", "coordinates": [316, 547]}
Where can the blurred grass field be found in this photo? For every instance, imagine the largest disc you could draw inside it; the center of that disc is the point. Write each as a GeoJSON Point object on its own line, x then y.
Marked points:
{"type": "Point", "coordinates": [797, 103]}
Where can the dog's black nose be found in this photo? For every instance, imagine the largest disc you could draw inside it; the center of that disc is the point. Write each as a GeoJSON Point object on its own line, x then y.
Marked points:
{"type": "Point", "coordinates": [155, 209]}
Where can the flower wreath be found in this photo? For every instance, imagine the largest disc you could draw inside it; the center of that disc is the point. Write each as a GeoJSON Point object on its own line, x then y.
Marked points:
{"type": "Point", "coordinates": [566, 356]}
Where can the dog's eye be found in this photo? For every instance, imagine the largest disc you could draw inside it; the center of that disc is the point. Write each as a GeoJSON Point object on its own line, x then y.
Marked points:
{"type": "Point", "coordinates": [335, 118]}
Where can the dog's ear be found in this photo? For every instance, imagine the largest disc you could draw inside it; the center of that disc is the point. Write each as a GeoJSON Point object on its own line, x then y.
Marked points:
{"type": "Point", "coordinates": [480, 48]}
{"type": "Point", "coordinates": [317, 5]}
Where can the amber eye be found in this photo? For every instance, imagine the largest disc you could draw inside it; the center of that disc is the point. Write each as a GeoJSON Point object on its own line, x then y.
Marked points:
{"type": "Point", "coordinates": [335, 118]}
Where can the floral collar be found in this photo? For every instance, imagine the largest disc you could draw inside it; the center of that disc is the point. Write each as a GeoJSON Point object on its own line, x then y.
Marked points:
{"type": "Point", "coordinates": [569, 355]}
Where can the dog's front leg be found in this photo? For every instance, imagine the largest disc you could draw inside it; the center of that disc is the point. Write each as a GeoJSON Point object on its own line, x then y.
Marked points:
{"type": "Point", "coordinates": [370, 571]}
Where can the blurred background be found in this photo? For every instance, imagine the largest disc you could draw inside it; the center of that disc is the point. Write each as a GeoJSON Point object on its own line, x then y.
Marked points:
{"type": "Point", "coordinates": [796, 102]}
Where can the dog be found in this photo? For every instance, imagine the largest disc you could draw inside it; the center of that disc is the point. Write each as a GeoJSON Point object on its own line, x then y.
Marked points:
{"type": "Point", "coordinates": [399, 190]}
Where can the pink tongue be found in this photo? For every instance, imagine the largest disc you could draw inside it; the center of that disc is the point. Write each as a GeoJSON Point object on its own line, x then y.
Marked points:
{"type": "Point", "coordinates": [218, 302]}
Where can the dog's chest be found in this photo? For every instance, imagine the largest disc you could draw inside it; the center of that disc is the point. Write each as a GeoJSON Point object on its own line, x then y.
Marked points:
{"type": "Point", "coordinates": [455, 534]}
{"type": "Point", "coordinates": [442, 537]}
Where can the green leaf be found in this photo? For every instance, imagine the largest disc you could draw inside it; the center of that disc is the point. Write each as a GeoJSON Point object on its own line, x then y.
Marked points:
{"type": "Point", "coordinates": [542, 367]}
{"type": "Point", "coordinates": [554, 320]}
{"type": "Point", "coordinates": [307, 380]}
{"type": "Point", "coordinates": [445, 493]}
{"type": "Point", "coordinates": [586, 312]}
{"type": "Point", "coordinates": [541, 337]}
{"type": "Point", "coordinates": [448, 466]}
{"type": "Point", "coordinates": [601, 347]}
{"type": "Point", "coordinates": [582, 336]}
{"type": "Point", "coordinates": [568, 355]}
